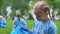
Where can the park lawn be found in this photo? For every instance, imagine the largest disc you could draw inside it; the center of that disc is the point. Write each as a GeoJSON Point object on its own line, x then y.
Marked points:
{"type": "Point", "coordinates": [58, 26]}
{"type": "Point", "coordinates": [29, 24]}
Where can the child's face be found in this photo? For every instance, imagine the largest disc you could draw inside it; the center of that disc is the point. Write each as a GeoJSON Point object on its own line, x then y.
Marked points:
{"type": "Point", "coordinates": [41, 11]}
{"type": "Point", "coordinates": [18, 17]}
{"type": "Point", "coordinates": [42, 15]}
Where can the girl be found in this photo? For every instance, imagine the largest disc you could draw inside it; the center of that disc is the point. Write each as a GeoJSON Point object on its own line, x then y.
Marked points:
{"type": "Point", "coordinates": [43, 24]}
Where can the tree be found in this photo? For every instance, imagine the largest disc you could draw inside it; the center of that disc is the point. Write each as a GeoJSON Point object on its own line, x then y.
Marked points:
{"type": "Point", "coordinates": [21, 5]}
{"type": "Point", "coordinates": [0, 5]}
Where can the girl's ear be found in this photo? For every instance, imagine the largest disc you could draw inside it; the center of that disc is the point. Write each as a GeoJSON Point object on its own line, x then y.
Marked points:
{"type": "Point", "coordinates": [48, 16]}
{"type": "Point", "coordinates": [47, 12]}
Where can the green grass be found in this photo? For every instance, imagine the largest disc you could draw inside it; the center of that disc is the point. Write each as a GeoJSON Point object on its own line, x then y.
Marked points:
{"type": "Point", "coordinates": [8, 29]}
{"type": "Point", "coordinates": [29, 24]}
{"type": "Point", "coordinates": [58, 26]}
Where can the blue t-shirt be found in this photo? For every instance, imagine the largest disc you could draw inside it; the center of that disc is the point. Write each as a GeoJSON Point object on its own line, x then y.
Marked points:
{"type": "Point", "coordinates": [20, 22]}
{"type": "Point", "coordinates": [3, 23]}
{"type": "Point", "coordinates": [2, 20]}
{"type": "Point", "coordinates": [41, 27]}
{"type": "Point", "coordinates": [17, 26]}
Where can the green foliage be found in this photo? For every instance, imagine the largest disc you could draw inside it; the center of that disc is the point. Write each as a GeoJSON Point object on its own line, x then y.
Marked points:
{"type": "Point", "coordinates": [59, 12]}
{"type": "Point", "coordinates": [0, 3]}
{"type": "Point", "coordinates": [3, 4]}
{"type": "Point", "coordinates": [16, 4]}
{"type": "Point", "coordinates": [11, 14]}
{"type": "Point", "coordinates": [20, 4]}
{"type": "Point", "coordinates": [23, 5]}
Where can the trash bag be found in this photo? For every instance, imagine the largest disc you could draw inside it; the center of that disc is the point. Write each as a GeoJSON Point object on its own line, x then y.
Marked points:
{"type": "Point", "coordinates": [3, 25]}
{"type": "Point", "coordinates": [18, 30]}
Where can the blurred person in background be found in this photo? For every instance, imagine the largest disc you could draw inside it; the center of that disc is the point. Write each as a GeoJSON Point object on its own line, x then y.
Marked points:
{"type": "Point", "coordinates": [2, 22]}
{"type": "Point", "coordinates": [18, 23]}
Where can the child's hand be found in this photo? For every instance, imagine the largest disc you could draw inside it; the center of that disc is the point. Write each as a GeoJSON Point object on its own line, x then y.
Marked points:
{"type": "Point", "coordinates": [24, 28]}
{"type": "Point", "coordinates": [30, 31]}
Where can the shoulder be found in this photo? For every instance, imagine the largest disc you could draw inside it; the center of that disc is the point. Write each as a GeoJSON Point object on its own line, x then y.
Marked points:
{"type": "Point", "coordinates": [35, 20]}
{"type": "Point", "coordinates": [37, 23]}
{"type": "Point", "coordinates": [22, 19]}
{"type": "Point", "coordinates": [15, 18]}
{"type": "Point", "coordinates": [53, 25]}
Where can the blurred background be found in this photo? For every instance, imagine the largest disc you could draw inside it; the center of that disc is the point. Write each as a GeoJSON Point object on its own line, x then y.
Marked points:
{"type": "Point", "coordinates": [9, 9]}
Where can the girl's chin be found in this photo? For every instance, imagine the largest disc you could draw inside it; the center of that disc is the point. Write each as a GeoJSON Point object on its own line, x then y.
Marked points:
{"type": "Point", "coordinates": [44, 20]}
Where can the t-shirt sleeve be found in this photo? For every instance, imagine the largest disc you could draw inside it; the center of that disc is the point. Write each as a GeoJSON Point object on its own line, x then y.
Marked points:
{"type": "Point", "coordinates": [23, 23]}
{"type": "Point", "coordinates": [52, 29]}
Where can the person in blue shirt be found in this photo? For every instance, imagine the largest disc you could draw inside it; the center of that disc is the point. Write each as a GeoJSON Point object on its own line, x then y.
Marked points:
{"type": "Point", "coordinates": [43, 23]}
{"type": "Point", "coordinates": [18, 23]}
{"type": "Point", "coordinates": [2, 22]}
